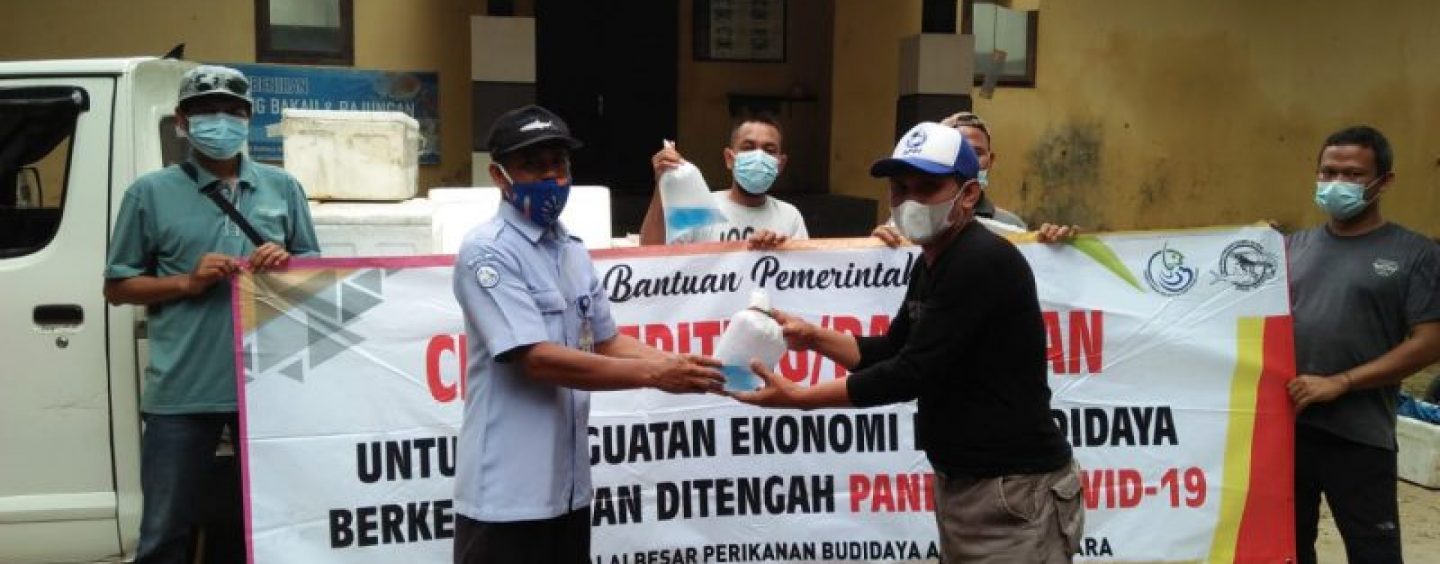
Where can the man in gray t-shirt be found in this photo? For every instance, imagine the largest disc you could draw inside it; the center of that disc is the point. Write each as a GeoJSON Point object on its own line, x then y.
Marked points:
{"type": "Point", "coordinates": [1366, 306]}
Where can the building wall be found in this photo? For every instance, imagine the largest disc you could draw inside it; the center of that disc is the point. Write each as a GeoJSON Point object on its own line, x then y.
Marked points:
{"type": "Point", "coordinates": [1145, 115]}
{"type": "Point", "coordinates": [425, 35]}
{"type": "Point", "coordinates": [64, 29]}
{"type": "Point", "coordinates": [704, 122]}
{"type": "Point", "coordinates": [865, 76]}
{"type": "Point", "coordinates": [1173, 114]}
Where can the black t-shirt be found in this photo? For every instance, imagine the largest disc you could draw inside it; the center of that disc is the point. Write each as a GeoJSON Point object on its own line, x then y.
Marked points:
{"type": "Point", "coordinates": [969, 344]}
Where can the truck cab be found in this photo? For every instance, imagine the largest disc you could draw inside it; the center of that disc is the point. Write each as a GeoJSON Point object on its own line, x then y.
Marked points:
{"type": "Point", "coordinates": [73, 136]}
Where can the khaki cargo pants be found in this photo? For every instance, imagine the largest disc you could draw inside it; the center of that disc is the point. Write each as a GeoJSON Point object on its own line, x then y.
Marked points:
{"type": "Point", "coordinates": [1018, 518]}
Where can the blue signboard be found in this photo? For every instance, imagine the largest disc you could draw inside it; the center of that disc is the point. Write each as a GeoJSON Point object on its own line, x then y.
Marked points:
{"type": "Point", "coordinates": [276, 87]}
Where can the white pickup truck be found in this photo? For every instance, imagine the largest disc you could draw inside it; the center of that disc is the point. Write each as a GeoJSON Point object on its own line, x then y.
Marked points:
{"type": "Point", "coordinates": [73, 135]}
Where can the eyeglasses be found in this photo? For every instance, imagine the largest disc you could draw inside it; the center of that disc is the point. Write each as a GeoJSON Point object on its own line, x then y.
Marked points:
{"type": "Point", "coordinates": [234, 84]}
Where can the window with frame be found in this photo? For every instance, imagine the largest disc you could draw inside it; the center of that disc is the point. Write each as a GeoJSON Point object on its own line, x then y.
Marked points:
{"type": "Point", "coordinates": [1005, 41]}
{"type": "Point", "coordinates": [37, 130]}
{"type": "Point", "coordinates": [312, 32]}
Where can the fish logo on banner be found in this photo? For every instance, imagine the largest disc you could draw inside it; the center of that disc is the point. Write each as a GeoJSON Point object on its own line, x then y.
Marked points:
{"type": "Point", "coordinates": [1246, 265]}
{"type": "Point", "coordinates": [1167, 274]}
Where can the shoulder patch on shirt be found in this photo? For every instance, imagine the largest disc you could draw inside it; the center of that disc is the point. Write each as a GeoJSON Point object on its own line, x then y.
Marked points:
{"type": "Point", "coordinates": [487, 275]}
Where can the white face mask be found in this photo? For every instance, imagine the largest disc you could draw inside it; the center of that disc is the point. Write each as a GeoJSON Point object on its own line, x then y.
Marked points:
{"type": "Point", "coordinates": [921, 222]}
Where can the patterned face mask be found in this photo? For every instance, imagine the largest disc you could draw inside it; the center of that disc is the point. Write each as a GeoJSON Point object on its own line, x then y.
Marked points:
{"type": "Point", "coordinates": [541, 201]}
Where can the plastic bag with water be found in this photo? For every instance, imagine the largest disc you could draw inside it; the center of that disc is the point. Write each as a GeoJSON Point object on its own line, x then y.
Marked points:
{"type": "Point", "coordinates": [686, 201]}
{"type": "Point", "coordinates": [752, 334]}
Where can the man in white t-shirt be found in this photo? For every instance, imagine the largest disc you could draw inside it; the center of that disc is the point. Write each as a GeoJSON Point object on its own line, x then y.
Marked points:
{"type": "Point", "coordinates": [755, 157]}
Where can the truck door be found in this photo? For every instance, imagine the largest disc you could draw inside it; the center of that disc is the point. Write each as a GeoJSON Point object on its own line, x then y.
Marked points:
{"type": "Point", "coordinates": [57, 485]}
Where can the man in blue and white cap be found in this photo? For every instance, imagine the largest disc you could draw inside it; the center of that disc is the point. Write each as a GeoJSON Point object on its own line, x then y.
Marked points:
{"type": "Point", "coordinates": [969, 344]}
{"type": "Point", "coordinates": [1004, 222]}
{"type": "Point", "coordinates": [173, 250]}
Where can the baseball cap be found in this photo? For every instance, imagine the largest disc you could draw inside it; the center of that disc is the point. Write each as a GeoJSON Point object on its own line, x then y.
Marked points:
{"type": "Point", "coordinates": [930, 148]}
{"type": "Point", "coordinates": [214, 80]}
{"type": "Point", "coordinates": [527, 126]}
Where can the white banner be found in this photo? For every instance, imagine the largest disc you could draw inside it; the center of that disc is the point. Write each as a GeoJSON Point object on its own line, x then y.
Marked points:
{"type": "Point", "coordinates": [1168, 355]}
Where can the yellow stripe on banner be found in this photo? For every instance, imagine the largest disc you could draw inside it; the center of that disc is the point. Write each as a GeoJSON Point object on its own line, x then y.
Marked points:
{"type": "Point", "coordinates": [246, 285]}
{"type": "Point", "coordinates": [1239, 437]}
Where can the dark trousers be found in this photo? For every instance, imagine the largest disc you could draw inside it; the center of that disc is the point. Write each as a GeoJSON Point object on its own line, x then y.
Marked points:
{"type": "Point", "coordinates": [564, 539]}
{"type": "Point", "coordinates": [187, 488]}
{"type": "Point", "coordinates": [1359, 484]}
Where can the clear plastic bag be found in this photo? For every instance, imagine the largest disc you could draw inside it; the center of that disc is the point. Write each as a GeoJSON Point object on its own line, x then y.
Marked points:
{"type": "Point", "coordinates": [686, 201]}
{"type": "Point", "coordinates": [752, 334]}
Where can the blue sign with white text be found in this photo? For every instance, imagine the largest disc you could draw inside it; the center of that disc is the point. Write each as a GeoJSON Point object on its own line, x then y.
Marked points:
{"type": "Point", "coordinates": [276, 87]}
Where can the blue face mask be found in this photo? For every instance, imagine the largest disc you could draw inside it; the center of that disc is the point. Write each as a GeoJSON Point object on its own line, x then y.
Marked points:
{"type": "Point", "coordinates": [218, 136]}
{"type": "Point", "coordinates": [983, 178]}
{"type": "Point", "coordinates": [540, 201]}
{"type": "Point", "coordinates": [1342, 200]}
{"type": "Point", "coordinates": [755, 171]}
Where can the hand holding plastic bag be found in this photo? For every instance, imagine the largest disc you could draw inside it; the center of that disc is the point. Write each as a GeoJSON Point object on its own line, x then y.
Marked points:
{"type": "Point", "coordinates": [752, 334]}
{"type": "Point", "coordinates": [684, 197]}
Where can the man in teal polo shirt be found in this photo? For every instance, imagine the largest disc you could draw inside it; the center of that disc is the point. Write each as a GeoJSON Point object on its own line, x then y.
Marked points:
{"type": "Point", "coordinates": [173, 250]}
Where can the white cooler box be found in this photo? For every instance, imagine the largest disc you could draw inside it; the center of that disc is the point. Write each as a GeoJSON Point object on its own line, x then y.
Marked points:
{"type": "Point", "coordinates": [351, 155]}
{"type": "Point", "coordinates": [1419, 457]}
{"type": "Point", "coordinates": [457, 210]}
{"type": "Point", "coordinates": [348, 229]}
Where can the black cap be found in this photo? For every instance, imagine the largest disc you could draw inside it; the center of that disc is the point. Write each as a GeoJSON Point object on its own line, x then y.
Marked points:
{"type": "Point", "coordinates": [526, 127]}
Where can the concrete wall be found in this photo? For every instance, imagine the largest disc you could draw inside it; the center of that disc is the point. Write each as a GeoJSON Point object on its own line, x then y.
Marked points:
{"type": "Point", "coordinates": [1174, 113]}
{"type": "Point", "coordinates": [704, 118]}
{"type": "Point", "coordinates": [1180, 114]}
{"type": "Point", "coordinates": [864, 86]}
{"type": "Point", "coordinates": [425, 35]}
{"type": "Point", "coordinates": [1169, 113]}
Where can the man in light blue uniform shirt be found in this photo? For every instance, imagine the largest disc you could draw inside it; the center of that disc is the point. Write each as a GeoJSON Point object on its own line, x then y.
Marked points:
{"type": "Point", "coordinates": [173, 250]}
{"type": "Point", "coordinates": [540, 338]}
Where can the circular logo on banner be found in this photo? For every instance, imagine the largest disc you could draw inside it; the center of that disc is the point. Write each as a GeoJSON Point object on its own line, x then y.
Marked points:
{"type": "Point", "coordinates": [1245, 265]}
{"type": "Point", "coordinates": [1167, 274]}
{"type": "Point", "coordinates": [488, 276]}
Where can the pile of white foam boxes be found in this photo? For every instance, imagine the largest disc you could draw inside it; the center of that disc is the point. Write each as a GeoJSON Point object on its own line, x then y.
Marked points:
{"type": "Point", "coordinates": [1419, 456]}
{"type": "Point", "coordinates": [360, 171]}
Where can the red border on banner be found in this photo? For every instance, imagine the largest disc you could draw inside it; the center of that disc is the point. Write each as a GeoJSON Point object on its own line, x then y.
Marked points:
{"type": "Point", "coordinates": [1267, 528]}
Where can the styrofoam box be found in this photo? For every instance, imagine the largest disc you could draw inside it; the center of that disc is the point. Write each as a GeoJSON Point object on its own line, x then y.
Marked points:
{"type": "Point", "coordinates": [351, 155]}
{"type": "Point", "coordinates": [352, 229]}
{"type": "Point", "coordinates": [1419, 457]}
{"type": "Point", "coordinates": [457, 210]}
